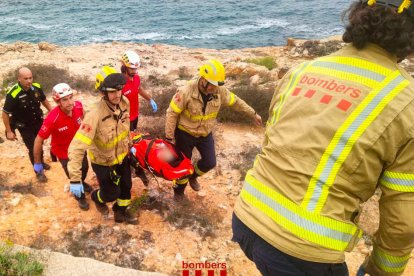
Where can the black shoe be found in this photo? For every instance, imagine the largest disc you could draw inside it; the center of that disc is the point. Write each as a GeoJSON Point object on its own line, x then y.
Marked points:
{"type": "Point", "coordinates": [125, 216]}
{"type": "Point", "coordinates": [87, 188]}
{"type": "Point", "coordinates": [119, 216]}
{"type": "Point", "coordinates": [102, 208]}
{"type": "Point", "coordinates": [41, 177]}
{"type": "Point", "coordinates": [194, 183]}
{"type": "Point", "coordinates": [46, 166]}
{"type": "Point", "coordinates": [131, 217]}
{"type": "Point", "coordinates": [83, 204]}
{"type": "Point", "coordinates": [179, 195]}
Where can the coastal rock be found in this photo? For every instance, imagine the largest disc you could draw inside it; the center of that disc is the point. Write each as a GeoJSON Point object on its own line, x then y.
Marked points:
{"type": "Point", "coordinates": [244, 68]}
{"type": "Point", "coordinates": [44, 46]}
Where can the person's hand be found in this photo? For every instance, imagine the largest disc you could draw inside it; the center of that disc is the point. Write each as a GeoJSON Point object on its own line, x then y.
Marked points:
{"type": "Point", "coordinates": [76, 188]}
{"type": "Point", "coordinates": [10, 135]}
{"type": "Point", "coordinates": [133, 151]}
{"type": "Point", "coordinates": [153, 105]}
{"type": "Point", "coordinates": [38, 168]}
{"type": "Point", "coordinates": [258, 120]}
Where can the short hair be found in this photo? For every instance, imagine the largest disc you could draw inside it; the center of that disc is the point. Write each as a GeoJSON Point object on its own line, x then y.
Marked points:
{"type": "Point", "coordinates": [380, 25]}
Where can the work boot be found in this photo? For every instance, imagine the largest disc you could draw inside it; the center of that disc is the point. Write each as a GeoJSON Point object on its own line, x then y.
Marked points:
{"type": "Point", "coordinates": [179, 195]}
{"type": "Point", "coordinates": [83, 204]}
{"type": "Point", "coordinates": [86, 187]}
{"type": "Point", "coordinates": [102, 208]}
{"type": "Point", "coordinates": [41, 177]}
{"type": "Point", "coordinates": [46, 166]}
{"type": "Point", "coordinates": [125, 216]}
{"type": "Point", "coordinates": [194, 183]}
{"type": "Point", "coordinates": [141, 174]}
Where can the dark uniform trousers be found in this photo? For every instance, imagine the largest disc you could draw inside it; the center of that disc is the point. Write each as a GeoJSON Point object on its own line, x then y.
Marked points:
{"type": "Point", "coordinates": [185, 143]}
{"type": "Point", "coordinates": [113, 185]}
{"type": "Point", "coordinates": [29, 133]}
{"type": "Point", "coordinates": [270, 261]}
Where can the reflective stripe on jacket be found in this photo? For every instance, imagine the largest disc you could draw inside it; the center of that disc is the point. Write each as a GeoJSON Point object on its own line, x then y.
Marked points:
{"type": "Point", "coordinates": [339, 127]}
{"type": "Point", "coordinates": [105, 137]}
{"type": "Point", "coordinates": [186, 110]}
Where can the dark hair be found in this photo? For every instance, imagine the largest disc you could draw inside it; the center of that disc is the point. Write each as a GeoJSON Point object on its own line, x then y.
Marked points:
{"type": "Point", "coordinates": [380, 25]}
{"type": "Point", "coordinates": [123, 69]}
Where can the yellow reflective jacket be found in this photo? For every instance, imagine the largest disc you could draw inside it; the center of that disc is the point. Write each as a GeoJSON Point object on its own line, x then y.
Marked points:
{"type": "Point", "coordinates": [186, 110]}
{"type": "Point", "coordinates": [339, 127]}
{"type": "Point", "coordinates": [105, 133]}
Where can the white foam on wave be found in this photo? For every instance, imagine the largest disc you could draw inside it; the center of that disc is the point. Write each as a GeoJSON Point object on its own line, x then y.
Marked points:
{"type": "Point", "coordinates": [24, 23]}
{"type": "Point", "coordinates": [259, 24]}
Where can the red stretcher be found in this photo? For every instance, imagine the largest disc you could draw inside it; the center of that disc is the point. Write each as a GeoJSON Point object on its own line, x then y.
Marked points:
{"type": "Point", "coordinates": [159, 157]}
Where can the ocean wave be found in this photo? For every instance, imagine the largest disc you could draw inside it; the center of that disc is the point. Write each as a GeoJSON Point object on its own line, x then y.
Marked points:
{"type": "Point", "coordinates": [24, 23]}
{"type": "Point", "coordinates": [259, 24]}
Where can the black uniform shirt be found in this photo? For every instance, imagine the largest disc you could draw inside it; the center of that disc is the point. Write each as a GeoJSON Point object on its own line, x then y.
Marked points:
{"type": "Point", "coordinates": [24, 106]}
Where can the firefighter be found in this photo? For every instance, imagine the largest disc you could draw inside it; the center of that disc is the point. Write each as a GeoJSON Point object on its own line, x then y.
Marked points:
{"type": "Point", "coordinates": [105, 133]}
{"type": "Point", "coordinates": [192, 114]}
{"type": "Point", "coordinates": [340, 127]}
{"type": "Point", "coordinates": [130, 64]}
{"type": "Point", "coordinates": [61, 124]}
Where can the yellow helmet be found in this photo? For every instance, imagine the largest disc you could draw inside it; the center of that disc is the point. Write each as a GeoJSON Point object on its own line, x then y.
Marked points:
{"type": "Point", "coordinates": [401, 5]}
{"type": "Point", "coordinates": [213, 72]}
{"type": "Point", "coordinates": [105, 71]}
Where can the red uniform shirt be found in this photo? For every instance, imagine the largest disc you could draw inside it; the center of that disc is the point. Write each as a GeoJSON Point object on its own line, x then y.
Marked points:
{"type": "Point", "coordinates": [131, 91]}
{"type": "Point", "coordinates": [62, 128]}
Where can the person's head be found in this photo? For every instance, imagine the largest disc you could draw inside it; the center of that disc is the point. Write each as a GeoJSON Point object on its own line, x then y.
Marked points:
{"type": "Point", "coordinates": [25, 78]}
{"type": "Point", "coordinates": [130, 63]}
{"type": "Point", "coordinates": [386, 23]}
{"type": "Point", "coordinates": [63, 95]}
{"type": "Point", "coordinates": [110, 83]}
{"type": "Point", "coordinates": [212, 75]}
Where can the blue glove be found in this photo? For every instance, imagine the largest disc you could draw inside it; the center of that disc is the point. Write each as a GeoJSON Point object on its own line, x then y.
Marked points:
{"type": "Point", "coordinates": [38, 168]}
{"type": "Point", "coordinates": [133, 151]}
{"type": "Point", "coordinates": [153, 105]}
{"type": "Point", "coordinates": [76, 189]}
{"type": "Point", "coordinates": [361, 271]}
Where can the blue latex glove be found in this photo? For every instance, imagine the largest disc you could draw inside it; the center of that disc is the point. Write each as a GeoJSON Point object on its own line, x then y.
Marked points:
{"type": "Point", "coordinates": [76, 189]}
{"type": "Point", "coordinates": [153, 105]}
{"type": "Point", "coordinates": [133, 151]}
{"type": "Point", "coordinates": [361, 271]}
{"type": "Point", "coordinates": [38, 168]}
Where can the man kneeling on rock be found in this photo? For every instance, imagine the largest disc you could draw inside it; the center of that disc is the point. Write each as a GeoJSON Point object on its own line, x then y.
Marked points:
{"type": "Point", "coordinates": [105, 133]}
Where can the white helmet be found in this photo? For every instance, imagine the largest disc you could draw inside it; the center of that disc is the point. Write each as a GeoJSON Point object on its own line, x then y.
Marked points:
{"type": "Point", "coordinates": [61, 90]}
{"type": "Point", "coordinates": [131, 59]}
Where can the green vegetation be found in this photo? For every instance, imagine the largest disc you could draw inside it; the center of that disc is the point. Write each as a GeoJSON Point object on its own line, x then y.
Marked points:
{"type": "Point", "coordinates": [268, 62]}
{"type": "Point", "coordinates": [18, 263]}
{"type": "Point", "coordinates": [48, 76]}
{"type": "Point", "coordinates": [258, 97]}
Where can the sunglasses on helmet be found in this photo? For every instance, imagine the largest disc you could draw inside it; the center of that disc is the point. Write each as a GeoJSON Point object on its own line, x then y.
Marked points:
{"type": "Point", "coordinates": [116, 88]}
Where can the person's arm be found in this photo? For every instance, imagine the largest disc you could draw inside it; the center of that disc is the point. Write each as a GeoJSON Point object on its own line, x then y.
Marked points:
{"type": "Point", "coordinates": [80, 143]}
{"type": "Point", "coordinates": [46, 104]}
{"type": "Point", "coordinates": [37, 149]}
{"type": "Point", "coordinates": [9, 107]}
{"type": "Point", "coordinates": [173, 112]}
{"type": "Point", "coordinates": [231, 99]}
{"type": "Point", "coordinates": [147, 96]}
{"type": "Point", "coordinates": [394, 240]}
{"type": "Point", "coordinates": [10, 135]}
